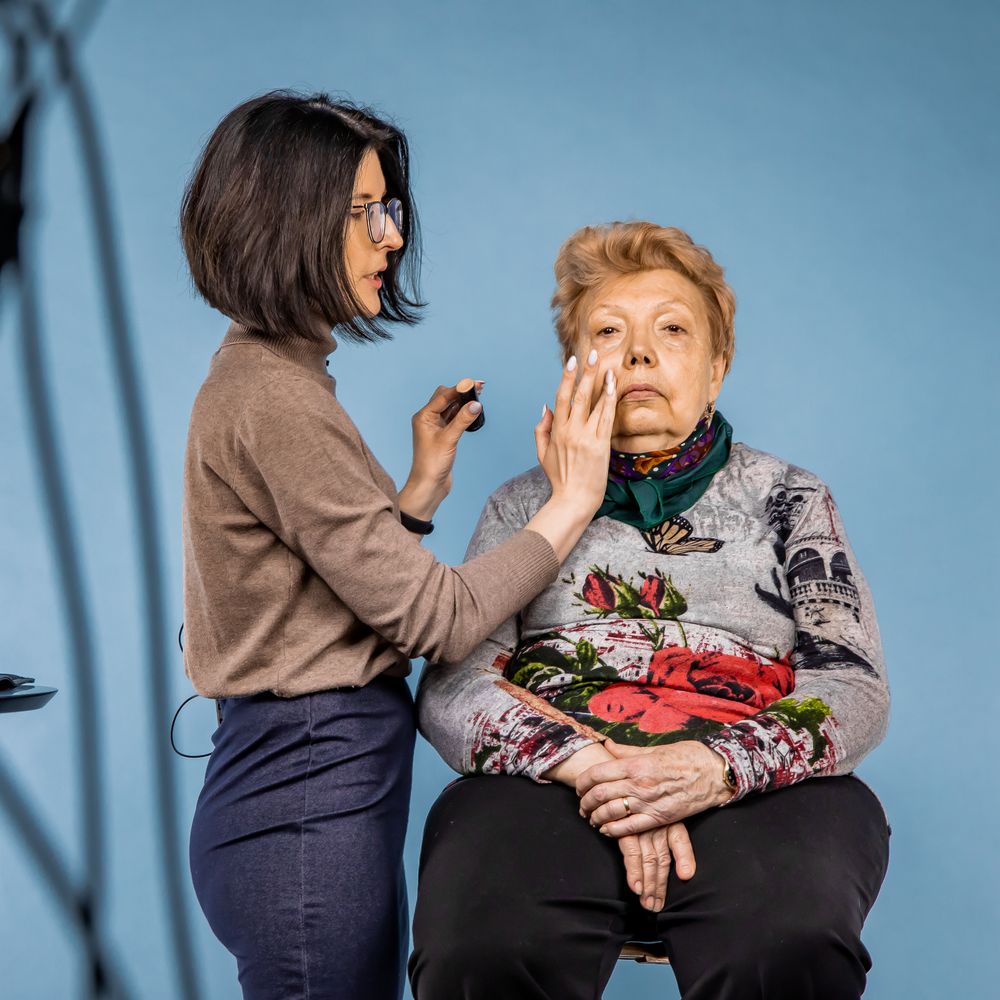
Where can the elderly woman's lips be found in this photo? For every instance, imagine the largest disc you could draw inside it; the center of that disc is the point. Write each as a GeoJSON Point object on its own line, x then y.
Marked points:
{"type": "Point", "coordinates": [639, 394]}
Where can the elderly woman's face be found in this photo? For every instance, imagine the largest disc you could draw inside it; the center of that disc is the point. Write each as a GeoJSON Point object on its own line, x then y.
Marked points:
{"type": "Point", "coordinates": [651, 329]}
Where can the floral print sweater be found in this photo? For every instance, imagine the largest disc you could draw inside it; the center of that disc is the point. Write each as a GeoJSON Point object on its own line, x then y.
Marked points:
{"type": "Point", "coordinates": [744, 623]}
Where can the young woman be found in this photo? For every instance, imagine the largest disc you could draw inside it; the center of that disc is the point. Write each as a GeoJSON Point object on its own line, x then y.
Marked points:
{"type": "Point", "coordinates": [306, 587]}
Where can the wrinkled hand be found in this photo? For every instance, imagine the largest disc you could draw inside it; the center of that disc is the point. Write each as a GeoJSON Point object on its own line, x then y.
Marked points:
{"type": "Point", "coordinates": [648, 858]}
{"type": "Point", "coordinates": [436, 432]}
{"type": "Point", "coordinates": [663, 785]}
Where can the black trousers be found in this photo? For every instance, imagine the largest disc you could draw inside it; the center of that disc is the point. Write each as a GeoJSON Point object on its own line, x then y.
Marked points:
{"type": "Point", "coordinates": [519, 899]}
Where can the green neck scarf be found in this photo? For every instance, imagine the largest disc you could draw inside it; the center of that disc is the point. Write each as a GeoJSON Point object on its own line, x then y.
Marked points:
{"type": "Point", "coordinates": [645, 489]}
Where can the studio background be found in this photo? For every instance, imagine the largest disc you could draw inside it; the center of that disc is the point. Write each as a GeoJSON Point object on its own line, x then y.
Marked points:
{"type": "Point", "coordinates": [840, 160]}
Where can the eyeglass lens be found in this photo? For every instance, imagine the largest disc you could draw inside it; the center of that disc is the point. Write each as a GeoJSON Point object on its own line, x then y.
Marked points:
{"type": "Point", "coordinates": [376, 218]}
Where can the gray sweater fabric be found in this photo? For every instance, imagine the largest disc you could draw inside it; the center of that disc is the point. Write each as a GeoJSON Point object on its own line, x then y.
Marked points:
{"type": "Point", "coordinates": [744, 622]}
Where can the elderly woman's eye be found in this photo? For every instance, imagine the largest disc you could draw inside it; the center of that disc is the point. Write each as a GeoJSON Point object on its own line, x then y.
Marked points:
{"type": "Point", "coordinates": [674, 328]}
{"type": "Point", "coordinates": [607, 330]}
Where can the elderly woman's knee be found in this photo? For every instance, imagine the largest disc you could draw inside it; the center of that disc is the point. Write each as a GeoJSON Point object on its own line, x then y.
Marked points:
{"type": "Point", "coordinates": [470, 962]}
{"type": "Point", "coordinates": [811, 955]}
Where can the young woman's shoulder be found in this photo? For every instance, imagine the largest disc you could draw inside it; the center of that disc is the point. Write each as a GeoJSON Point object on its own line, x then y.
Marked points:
{"type": "Point", "coordinates": [235, 393]}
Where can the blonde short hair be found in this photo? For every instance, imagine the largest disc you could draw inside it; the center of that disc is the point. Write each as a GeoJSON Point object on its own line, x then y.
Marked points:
{"type": "Point", "coordinates": [596, 254]}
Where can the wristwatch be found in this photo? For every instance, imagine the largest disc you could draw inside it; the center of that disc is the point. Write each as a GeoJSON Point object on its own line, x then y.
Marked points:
{"type": "Point", "coordinates": [728, 775]}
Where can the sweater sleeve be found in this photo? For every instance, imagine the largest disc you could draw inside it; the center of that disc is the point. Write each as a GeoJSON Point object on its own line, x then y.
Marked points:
{"type": "Point", "coordinates": [479, 722]}
{"type": "Point", "coordinates": [302, 470]}
{"type": "Point", "coordinates": [839, 708]}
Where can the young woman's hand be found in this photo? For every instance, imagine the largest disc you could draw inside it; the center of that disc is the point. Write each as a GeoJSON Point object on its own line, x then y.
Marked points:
{"type": "Point", "coordinates": [435, 443]}
{"type": "Point", "coordinates": [574, 440]}
{"type": "Point", "coordinates": [574, 448]}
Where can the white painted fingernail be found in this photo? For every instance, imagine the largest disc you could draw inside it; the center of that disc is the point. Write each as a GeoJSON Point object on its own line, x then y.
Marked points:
{"type": "Point", "coordinates": [571, 364]}
{"type": "Point", "coordinates": [611, 384]}
{"type": "Point", "coordinates": [592, 357]}
{"type": "Point", "coordinates": [544, 408]}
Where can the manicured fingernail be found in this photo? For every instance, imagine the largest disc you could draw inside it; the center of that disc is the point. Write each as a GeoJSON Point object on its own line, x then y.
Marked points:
{"type": "Point", "coordinates": [571, 364]}
{"type": "Point", "coordinates": [611, 383]}
{"type": "Point", "coordinates": [637, 886]}
{"type": "Point", "coordinates": [475, 407]}
{"type": "Point", "coordinates": [592, 357]}
{"type": "Point", "coordinates": [649, 902]}
{"type": "Point", "coordinates": [605, 831]}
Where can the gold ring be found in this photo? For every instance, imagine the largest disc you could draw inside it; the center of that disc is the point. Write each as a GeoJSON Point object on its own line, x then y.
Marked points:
{"type": "Point", "coordinates": [628, 811]}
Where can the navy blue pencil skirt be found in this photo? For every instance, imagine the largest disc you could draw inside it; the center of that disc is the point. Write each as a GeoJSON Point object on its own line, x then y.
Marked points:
{"type": "Point", "coordinates": [297, 841]}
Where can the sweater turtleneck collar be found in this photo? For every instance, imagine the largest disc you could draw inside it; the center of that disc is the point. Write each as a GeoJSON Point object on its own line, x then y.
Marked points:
{"type": "Point", "coordinates": [309, 354]}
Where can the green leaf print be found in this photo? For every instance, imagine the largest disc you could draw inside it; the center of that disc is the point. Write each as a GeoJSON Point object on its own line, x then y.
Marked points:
{"type": "Point", "coordinates": [482, 755]}
{"type": "Point", "coordinates": [808, 714]}
{"type": "Point", "coordinates": [525, 667]}
{"type": "Point", "coordinates": [586, 656]}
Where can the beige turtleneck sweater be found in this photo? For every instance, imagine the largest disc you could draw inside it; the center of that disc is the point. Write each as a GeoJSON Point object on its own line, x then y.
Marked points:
{"type": "Point", "coordinates": [298, 575]}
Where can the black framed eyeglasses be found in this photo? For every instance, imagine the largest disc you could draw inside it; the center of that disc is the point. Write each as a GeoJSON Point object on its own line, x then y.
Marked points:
{"type": "Point", "coordinates": [376, 212]}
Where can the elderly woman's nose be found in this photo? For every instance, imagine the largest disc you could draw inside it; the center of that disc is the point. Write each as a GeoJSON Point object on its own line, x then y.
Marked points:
{"type": "Point", "coordinates": [639, 356]}
{"type": "Point", "coordinates": [637, 350]}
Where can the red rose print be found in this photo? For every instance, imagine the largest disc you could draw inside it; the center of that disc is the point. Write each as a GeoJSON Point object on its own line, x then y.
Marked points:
{"type": "Point", "coordinates": [651, 593]}
{"type": "Point", "coordinates": [670, 667]}
{"type": "Point", "coordinates": [741, 678]}
{"type": "Point", "coordinates": [598, 592]}
{"type": "Point", "coordinates": [682, 685]}
{"type": "Point", "coordinates": [661, 710]}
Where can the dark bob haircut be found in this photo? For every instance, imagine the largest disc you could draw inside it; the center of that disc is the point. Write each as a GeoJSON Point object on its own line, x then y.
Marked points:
{"type": "Point", "coordinates": [264, 217]}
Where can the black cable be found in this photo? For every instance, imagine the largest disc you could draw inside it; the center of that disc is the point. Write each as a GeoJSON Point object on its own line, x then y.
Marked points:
{"type": "Point", "coordinates": [173, 722]}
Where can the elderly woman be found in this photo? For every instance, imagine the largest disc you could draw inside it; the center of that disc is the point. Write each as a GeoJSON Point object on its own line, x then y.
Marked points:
{"type": "Point", "coordinates": [710, 639]}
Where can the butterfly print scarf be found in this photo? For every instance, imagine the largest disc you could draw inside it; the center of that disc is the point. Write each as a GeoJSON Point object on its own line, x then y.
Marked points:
{"type": "Point", "coordinates": [646, 488]}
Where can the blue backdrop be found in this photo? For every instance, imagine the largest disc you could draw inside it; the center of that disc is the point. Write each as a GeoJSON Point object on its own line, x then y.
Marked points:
{"type": "Point", "coordinates": [841, 160]}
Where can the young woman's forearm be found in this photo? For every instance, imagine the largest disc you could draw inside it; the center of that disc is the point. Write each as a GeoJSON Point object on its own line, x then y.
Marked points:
{"type": "Point", "coordinates": [561, 523]}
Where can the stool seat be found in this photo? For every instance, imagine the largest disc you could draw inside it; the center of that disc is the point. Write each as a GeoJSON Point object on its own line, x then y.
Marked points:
{"type": "Point", "coordinates": [651, 952]}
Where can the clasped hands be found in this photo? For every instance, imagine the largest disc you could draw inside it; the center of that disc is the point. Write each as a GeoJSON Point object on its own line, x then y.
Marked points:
{"type": "Point", "coordinates": [662, 786]}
